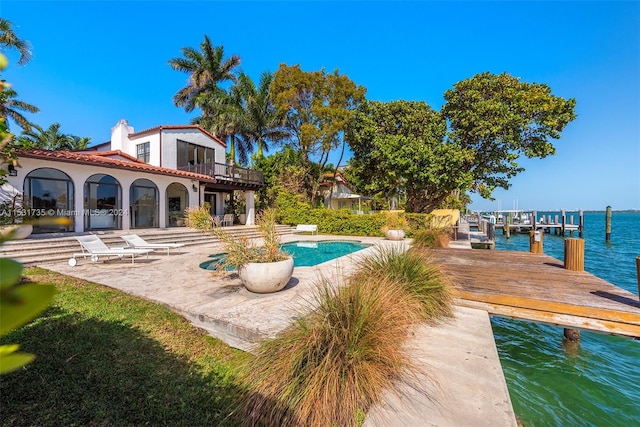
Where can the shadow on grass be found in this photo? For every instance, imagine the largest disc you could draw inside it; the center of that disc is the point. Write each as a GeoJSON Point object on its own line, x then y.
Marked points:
{"type": "Point", "coordinates": [90, 372]}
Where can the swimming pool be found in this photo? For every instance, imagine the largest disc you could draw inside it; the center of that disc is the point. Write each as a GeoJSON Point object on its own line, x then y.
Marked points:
{"type": "Point", "coordinates": [307, 253]}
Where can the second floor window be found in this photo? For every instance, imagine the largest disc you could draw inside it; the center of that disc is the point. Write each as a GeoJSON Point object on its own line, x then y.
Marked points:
{"type": "Point", "coordinates": [143, 152]}
{"type": "Point", "coordinates": [191, 154]}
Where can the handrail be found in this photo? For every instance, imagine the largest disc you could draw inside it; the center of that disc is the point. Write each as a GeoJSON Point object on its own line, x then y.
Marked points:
{"type": "Point", "coordinates": [227, 172]}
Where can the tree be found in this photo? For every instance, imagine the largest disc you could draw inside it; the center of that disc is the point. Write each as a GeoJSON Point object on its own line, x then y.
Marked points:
{"type": "Point", "coordinates": [264, 123]}
{"type": "Point", "coordinates": [51, 139]}
{"type": "Point", "coordinates": [11, 107]}
{"type": "Point", "coordinates": [207, 68]}
{"type": "Point", "coordinates": [75, 142]}
{"type": "Point", "coordinates": [229, 120]}
{"type": "Point", "coordinates": [9, 40]}
{"type": "Point", "coordinates": [497, 119]}
{"type": "Point", "coordinates": [317, 107]}
{"type": "Point", "coordinates": [246, 115]}
{"type": "Point", "coordinates": [399, 147]}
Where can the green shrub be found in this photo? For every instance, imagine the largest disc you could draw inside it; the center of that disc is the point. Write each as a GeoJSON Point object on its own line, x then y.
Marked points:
{"type": "Point", "coordinates": [199, 217]}
{"type": "Point", "coordinates": [418, 221]}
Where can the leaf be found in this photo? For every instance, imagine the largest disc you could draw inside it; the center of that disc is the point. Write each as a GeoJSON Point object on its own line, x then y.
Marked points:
{"type": "Point", "coordinates": [21, 304]}
{"type": "Point", "coordinates": [10, 361]}
{"type": "Point", "coordinates": [11, 273]}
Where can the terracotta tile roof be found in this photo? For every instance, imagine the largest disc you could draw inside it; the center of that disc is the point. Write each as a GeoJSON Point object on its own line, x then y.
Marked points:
{"type": "Point", "coordinates": [101, 158]}
{"type": "Point", "coordinates": [169, 127]}
{"type": "Point", "coordinates": [112, 153]}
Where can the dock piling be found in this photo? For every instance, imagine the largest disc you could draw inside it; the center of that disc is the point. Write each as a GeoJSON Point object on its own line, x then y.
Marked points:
{"type": "Point", "coordinates": [574, 254]}
{"type": "Point", "coordinates": [535, 242]}
{"type": "Point", "coordinates": [573, 260]}
{"type": "Point", "coordinates": [581, 224]}
{"type": "Point", "coordinates": [608, 225]}
{"type": "Point", "coordinates": [507, 226]}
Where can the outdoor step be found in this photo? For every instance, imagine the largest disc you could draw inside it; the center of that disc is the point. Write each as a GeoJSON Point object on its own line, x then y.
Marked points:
{"type": "Point", "coordinates": [42, 249]}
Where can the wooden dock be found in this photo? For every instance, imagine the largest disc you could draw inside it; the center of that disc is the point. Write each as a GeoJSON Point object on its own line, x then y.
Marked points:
{"type": "Point", "coordinates": [536, 287]}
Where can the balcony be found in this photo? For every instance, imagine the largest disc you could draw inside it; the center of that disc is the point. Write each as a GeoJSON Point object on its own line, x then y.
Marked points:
{"type": "Point", "coordinates": [228, 174]}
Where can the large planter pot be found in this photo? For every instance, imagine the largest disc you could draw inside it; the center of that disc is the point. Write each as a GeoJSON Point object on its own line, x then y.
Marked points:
{"type": "Point", "coordinates": [242, 218]}
{"type": "Point", "coordinates": [22, 231]}
{"type": "Point", "coordinates": [395, 234]}
{"type": "Point", "coordinates": [266, 277]}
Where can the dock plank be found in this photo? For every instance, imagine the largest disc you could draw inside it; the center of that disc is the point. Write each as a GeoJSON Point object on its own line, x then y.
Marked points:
{"type": "Point", "coordinates": [536, 287]}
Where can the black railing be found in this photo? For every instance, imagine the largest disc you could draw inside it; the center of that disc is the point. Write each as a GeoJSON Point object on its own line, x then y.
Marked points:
{"type": "Point", "coordinates": [229, 173]}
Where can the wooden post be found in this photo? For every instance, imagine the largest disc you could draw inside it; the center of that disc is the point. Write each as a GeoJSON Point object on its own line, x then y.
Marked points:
{"type": "Point", "coordinates": [581, 224]}
{"type": "Point", "coordinates": [608, 225]}
{"type": "Point", "coordinates": [564, 221]}
{"type": "Point", "coordinates": [535, 220]}
{"type": "Point", "coordinates": [574, 254]}
{"type": "Point", "coordinates": [573, 260]}
{"type": "Point", "coordinates": [507, 226]}
{"type": "Point", "coordinates": [535, 242]}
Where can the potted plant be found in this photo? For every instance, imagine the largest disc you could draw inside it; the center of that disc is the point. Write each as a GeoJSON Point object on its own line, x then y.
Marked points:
{"type": "Point", "coordinates": [395, 226]}
{"type": "Point", "coordinates": [261, 269]}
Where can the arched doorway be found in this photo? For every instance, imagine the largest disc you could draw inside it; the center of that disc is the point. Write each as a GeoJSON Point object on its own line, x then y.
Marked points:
{"type": "Point", "coordinates": [50, 192]}
{"type": "Point", "coordinates": [102, 203]}
{"type": "Point", "coordinates": [143, 198]}
{"type": "Point", "coordinates": [177, 202]}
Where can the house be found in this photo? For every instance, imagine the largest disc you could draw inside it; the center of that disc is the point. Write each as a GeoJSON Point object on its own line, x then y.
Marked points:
{"type": "Point", "coordinates": [337, 194]}
{"type": "Point", "coordinates": [136, 180]}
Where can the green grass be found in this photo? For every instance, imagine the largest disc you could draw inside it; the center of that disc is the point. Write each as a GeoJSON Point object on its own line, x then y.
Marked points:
{"type": "Point", "coordinates": [105, 358]}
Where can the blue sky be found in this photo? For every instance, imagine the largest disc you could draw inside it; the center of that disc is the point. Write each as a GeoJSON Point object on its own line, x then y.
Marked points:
{"type": "Point", "coordinates": [96, 62]}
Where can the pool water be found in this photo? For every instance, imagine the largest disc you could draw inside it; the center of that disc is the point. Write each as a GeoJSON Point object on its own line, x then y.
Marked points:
{"type": "Point", "coordinates": [306, 253]}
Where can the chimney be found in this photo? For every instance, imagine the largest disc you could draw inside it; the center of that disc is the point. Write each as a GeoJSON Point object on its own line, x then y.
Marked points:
{"type": "Point", "coordinates": [120, 136]}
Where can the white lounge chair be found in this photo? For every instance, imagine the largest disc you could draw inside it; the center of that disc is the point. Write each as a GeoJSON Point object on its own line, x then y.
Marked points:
{"type": "Point", "coordinates": [92, 246]}
{"type": "Point", "coordinates": [137, 242]}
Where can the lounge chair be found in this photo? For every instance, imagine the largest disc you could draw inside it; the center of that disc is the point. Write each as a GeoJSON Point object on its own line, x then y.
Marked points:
{"type": "Point", "coordinates": [92, 246]}
{"type": "Point", "coordinates": [137, 242]}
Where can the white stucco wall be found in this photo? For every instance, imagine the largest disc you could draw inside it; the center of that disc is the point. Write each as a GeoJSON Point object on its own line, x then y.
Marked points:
{"type": "Point", "coordinates": [79, 174]}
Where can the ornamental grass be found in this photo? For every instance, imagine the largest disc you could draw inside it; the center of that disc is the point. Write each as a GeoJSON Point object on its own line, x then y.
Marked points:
{"type": "Point", "coordinates": [431, 238]}
{"type": "Point", "coordinates": [420, 278]}
{"type": "Point", "coordinates": [334, 363]}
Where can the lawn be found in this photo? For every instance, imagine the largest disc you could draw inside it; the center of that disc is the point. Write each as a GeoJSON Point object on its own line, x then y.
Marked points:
{"type": "Point", "coordinates": [107, 358]}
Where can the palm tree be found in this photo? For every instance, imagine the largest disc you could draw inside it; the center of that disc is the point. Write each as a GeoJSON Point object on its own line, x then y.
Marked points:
{"type": "Point", "coordinates": [9, 39]}
{"type": "Point", "coordinates": [264, 122]}
{"type": "Point", "coordinates": [75, 142]}
{"type": "Point", "coordinates": [11, 107]}
{"type": "Point", "coordinates": [207, 68]}
{"type": "Point", "coordinates": [50, 139]}
{"type": "Point", "coordinates": [229, 121]}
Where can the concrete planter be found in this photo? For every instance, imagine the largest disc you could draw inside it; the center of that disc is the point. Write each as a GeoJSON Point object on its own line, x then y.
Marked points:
{"type": "Point", "coordinates": [266, 277]}
{"type": "Point", "coordinates": [394, 234]}
{"type": "Point", "coordinates": [22, 231]}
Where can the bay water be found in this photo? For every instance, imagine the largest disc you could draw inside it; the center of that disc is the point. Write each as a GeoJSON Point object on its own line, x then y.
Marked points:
{"type": "Point", "coordinates": [598, 383]}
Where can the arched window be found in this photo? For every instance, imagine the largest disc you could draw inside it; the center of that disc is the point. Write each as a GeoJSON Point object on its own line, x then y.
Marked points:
{"type": "Point", "coordinates": [51, 192]}
{"type": "Point", "coordinates": [102, 203]}
{"type": "Point", "coordinates": [143, 198]}
{"type": "Point", "coordinates": [177, 201]}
